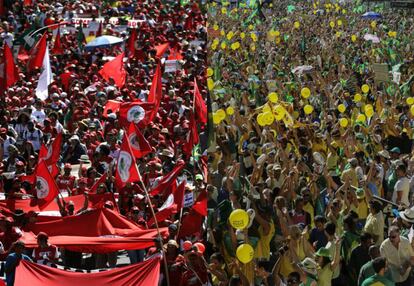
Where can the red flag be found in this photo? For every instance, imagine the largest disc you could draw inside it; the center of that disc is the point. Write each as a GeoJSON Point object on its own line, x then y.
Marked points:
{"type": "Point", "coordinates": [126, 167]}
{"type": "Point", "coordinates": [161, 49]}
{"type": "Point", "coordinates": [172, 205]}
{"type": "Point", "coordinates": [51, 155]}
{"type": "Point", "coordinates": [165, 183]}
{"type": "Point", "coordinates": [46, 188]}
{"type": "Point", "coordinates": [192, 136]}
{"type": "Point", "coordinates": [99, 32]}
{"type": "Point", "coordinates": [131, 43]}
{"type": "Point", "coordinates": [200, 205]}
{"type": "Point", "coordinates": [115, 70]}
{"type": "Point", "coordinates": [37, 54]}
{"type": "Point", "coordinates": [191, 224]}
{"type": "Point", "coordinates": [200, 107]}
{"type": "Point", "coordinates": [139, 145]}
{"type": "Point", "coordinates": [10, 73]}
{"type": "Point", "coordinates": [137, 112]}
{"type": "Point", "coordinates": [57, 48]}
{"type": "Point", "coordinates": [95, 186]}
{"type": "Point", "coordinates": [111, 105]}
{"type": "Point", "coordinates": [155, 94]}
{"type": "Point", "coordinates": [28, 3]}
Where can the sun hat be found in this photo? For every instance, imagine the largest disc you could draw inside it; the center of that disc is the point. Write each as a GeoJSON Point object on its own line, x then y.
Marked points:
{"type": "Point", "coordinates": [407, 215]}
{"type": "Point", "coordinates": [309, 266]}
{"type": "Point", "coordinates": [323, 252]}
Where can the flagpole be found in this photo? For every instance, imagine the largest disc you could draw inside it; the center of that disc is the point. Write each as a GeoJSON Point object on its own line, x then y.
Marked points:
{"type": "Point", "coordinates": [158, 230]}
{"type": "Point", "coordinates": [179, 221]}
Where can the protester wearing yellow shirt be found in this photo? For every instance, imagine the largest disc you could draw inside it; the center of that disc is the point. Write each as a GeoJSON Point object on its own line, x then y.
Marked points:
{"type": "Point", "coordinates": [350, 174]}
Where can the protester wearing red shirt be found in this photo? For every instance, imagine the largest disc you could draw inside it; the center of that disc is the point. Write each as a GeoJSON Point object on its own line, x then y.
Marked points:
{"type": "Point", "coordinates": [82, 187]}
{"type": "Point", "coordinates": [44, 252]}
{"type": "Point", "coordinates": [8, 235]}
{"type": "Point", "coordinates": [66, 182]}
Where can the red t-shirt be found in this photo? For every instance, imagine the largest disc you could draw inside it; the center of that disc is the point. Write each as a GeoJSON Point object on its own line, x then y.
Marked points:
{"type": "Point", "coordinates": [65, 182]}
{"type": "Point", "coordinates": [40, 253]}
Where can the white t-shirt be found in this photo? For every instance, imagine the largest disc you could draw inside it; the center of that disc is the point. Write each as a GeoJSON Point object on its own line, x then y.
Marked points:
{"type": "Point", "coordinates": [38, 116]}
{"type": "Point", "coordinates": [402, 185]}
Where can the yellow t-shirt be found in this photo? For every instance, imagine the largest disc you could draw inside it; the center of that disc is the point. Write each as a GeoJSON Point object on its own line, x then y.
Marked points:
{"type": "Point", "coordinates": [310, 210]}
{"type": "Point", "coordinates": [263, 245]}
{"type": "Point", "coordinates": [362, 209]}
{"type": "Point", "coordinates": [351, 175]}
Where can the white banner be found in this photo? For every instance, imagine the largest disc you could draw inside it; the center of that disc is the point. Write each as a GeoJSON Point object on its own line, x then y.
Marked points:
{"type": "Point", "coordinates": [188, 200]}
{"type": "Point", "coordinates": [172, 65]}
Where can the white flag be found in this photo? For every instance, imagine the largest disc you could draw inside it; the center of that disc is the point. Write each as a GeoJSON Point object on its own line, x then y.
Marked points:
{"type": "Point", "coordinates": [46, 77]}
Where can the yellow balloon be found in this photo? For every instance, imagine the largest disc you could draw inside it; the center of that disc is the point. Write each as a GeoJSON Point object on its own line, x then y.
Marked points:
{"type": "Point", "coordinates": [410, 100]}
{"type": "Point", "coordinates": [343, 122]}
{"type": "Point", "coordinates": [266, 108]}
{"type": "Point", "coordinates": [339, 22]}
{"type": "Point", "coordinates": [230, 35]}
{"type": "Point", "coordinates": [253, 36]}
{"type": "Point", "coordinates": [251, 27]}
{"type": "Point", "coordinates": [210, 72]}
{"type": "Point", "coordinates": [230, 110]}
{"type": "Point", "coordinates": [305, 92]}
{"type": "Point", "coordinates": [242, 35]}
{"type": "Point", "coordinates": [278, 40]}
{"type": "Point", "coordinates": [268, 118]}
{"type": "Point", "coordinates": [223, 45]}
{"type": "Point", "coordinates": [235, 46]}
{"type": "Point", "coordinates": [260, 119]}
{"type": "Point", "coordinates": [222, 33]}
{"type": "Point", "coordinates": [357, 97]}
{"type": "Point", "coordinates": [361, 118]}
{"type": "Point", "coordinates": [210, 84]}
{"type": "Point", "coordinates": [373, 24]}
{"type": "Point", "coordinates": [332, 24]}
{"type": "Point", "coordinates": [343, 11]}
{"type": "Point", "coordinates": [394, 34]}
{"type": "Point", "coordinates": [221, 113]}
{"type": "Point", "coordinates": [353, 38]}
{"type": "Point", "coordinates": [215, 27]}
{"type": "Point", "coordinates": [253, 47]}
{"type": "Point", "coordinates": [338, 34]}
{"type": "Point", "coordinates": [412, 109]}
{"type": "Point", "coordinates": [273, 97]}
{"type": "Point", "coordinates": [296, 25]}
{"type": "Point", "coordinates": [277, 33]}
{"type": "Point", "coordinates": [216, 119]}
{"type": "Point", "coordinates": [308, 109]}
{"type": "Point", "coordinates": [279, 116]}
{"type": "Point", "coordinates": [245, 253]}
{"type": "Point", "coordinates": [223, 10]}
{"type": "Point", "coordinates": [369, 113]}
{"type": "Point", "coordinates": [368, 107]}
{"type": "Point", "coordinates": [341, 108]}
{"type": "Point", "coordinates": [365, 88]}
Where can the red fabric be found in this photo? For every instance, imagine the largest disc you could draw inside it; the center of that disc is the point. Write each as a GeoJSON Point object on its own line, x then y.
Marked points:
{"type": "Point", "coordinates": [10, 72]}
{"type": "Point", "coordinates": [111, 105]}
{"type": "Point", "coordinates": [51, 155]}
{"type": "Point", "coordinates": [161, 49]}
{"type": "Point", "coordinates": [115, 69]}
{"type": "Point", "coordinates": [200, 107]}
{"type": "Point", "coordinates": [95, 201]}
{"type": "Point", "coordinates": [155, 94]}
{"type": "Point", "coordinates": [173, 204]}
{"type": "Point", "coordinates": [192, 136]}
{"type": "Point", "coordinates": [139, 145]}
{"type": "Point", "coordinates": [126, 167]}
{"type": "Point", "coordinates": [23, 55]}
{"type": "Point", "coordinates": [50, 251]}
{"type": "Point", "coordinates": [99, 32]}
{"type": "Point", "coordinates": [95, 186]}
{"type": "Point", "coordinates": [141, 274]}
{"type": "Point", "coordinates": [138, 112]}
{"type": "Point", "coordinates": [191, 224]}
{"type": "Point", "coordinates": [110, 232]}
{"type": "Point", "coordinates": [45, 186]}
{"type": "Point", "coordinates": [165, 183]}
{"type": "Point", "coordinates": [200, 204]}
{"type": "Point", "coordinates": [37, 54]}
{"type": "Point", "coordinates": [28, 3]}
{"type": "Point", "coordinates": [57, 47]}
{"type": "Point", "coordinates": [131, 43]}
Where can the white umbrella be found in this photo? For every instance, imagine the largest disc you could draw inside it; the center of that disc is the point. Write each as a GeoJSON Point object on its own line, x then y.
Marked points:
{"type": "Point", "coordinates": [103, 42]}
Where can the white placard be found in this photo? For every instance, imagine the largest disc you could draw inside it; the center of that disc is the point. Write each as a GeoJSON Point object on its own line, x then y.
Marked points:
{"type": "Point", "coordinates": [188, 200]}
{"type": "Point", "coordinates": [172, 65]}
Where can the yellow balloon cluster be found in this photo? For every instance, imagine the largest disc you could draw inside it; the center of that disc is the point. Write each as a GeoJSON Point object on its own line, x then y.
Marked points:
{"type": "Point", "coordinates": [219, 116]}
{"type": "Point", "coordinates": [305, 92]}
{"type": "Point", "coordinates": [235, 46]}
{"type": "Point", "coordinates": [273, 97]}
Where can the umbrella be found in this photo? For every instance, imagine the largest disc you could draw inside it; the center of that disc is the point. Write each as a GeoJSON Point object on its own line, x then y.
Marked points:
{"type": "Point", "coordinates": [371, 15]}
{"type": "Point", "coordinates": [103, 42]}
{"type": "Point", "coordinates": [372, 38]}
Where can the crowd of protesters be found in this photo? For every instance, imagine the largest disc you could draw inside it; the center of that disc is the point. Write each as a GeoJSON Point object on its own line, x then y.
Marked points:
{"type": "Point", "coordinates": [311, 143]}
{"type": "Point", "coordinates": [75, 108]}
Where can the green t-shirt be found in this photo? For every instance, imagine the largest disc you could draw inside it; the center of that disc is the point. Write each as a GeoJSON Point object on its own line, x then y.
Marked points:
{"type": "Point", "coordinates": [367, 270]}
{"type": "Point", "coordinates": [377, 280]}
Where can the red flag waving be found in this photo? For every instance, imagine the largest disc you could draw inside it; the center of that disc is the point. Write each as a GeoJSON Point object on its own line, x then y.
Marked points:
{"type": "Point", "coordinates": [155, 93]}
{"type": "Point", "coordinates": [126, 167]}
{"type": "Point", "coordinates": [46, 188]}
{"type": "Point", "coordinates": [136, 112]}
{"type": "Point", "coordinates": [161, 49]}
{"type": "Point", "coordinates": [200, 107]}
{"type": "Point", "coordinates": [131, 43]}
{"type": "Point", "coordinates": [167, 180]}
{"type": "Point", "coordinates": [115, 70]}
{"type": "Point", "coordinates": [172, 205]}
{"type": "Point", "coordinates": [57, 47]}
{"type": "Point", "coordinates": [112, 105]}
{"type": "Point", "coordinates": [10, 73]}
{"type": "Point", "coordinates": [192, 136]}
{"type": "Point", "coordinates": [37, 54]}
{"type": "Point", "coordinates": [95, 186]}
{"type": "Point", "coordinates": [139, 145]}
{"type": "Point", "coordinates": [200, 204]}
{"type": "Point", "coordinates": [51, 155]}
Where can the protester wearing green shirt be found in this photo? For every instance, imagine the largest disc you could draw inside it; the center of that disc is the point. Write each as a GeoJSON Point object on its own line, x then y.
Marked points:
{"type": "Point", "coordinates": [380, 266]}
